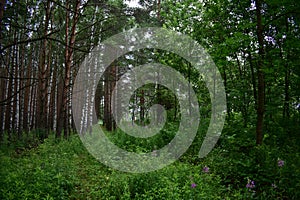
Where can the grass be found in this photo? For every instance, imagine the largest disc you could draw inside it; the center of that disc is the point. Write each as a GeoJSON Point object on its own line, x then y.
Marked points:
{"type": "Point", "coordinates": [63, 169]}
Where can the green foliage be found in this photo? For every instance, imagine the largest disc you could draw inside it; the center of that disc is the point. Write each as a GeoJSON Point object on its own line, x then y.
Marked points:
{"type": "Point", "coordinates": [237, 159]}
{"type": "Point", "coordinates": [63, 169]}
{"type": "Point", "coordinates": [33, 167]}
{"type": "Point", "coordinates": [41, 173]}
{"type": "Point", "coordinates": [140, 145]}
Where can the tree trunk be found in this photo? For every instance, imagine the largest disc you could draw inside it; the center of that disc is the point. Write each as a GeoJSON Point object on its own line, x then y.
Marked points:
{"type": "Point", "coordinates": [42, 101]}
{"type": "Point", "coordinates": [64, 120]}
{"type": "Point", "coordinates": [98, 97]}
{"type": "Point", "coordinates": [107, 102]}
{"type": "Point", "coordinates": [2, 4]}
{"type": "Point", "coordinates": [52, 104]}
{"type": "Point", "coordinates": [2, 100]}
{"type": "Point", "coordinates": [32, 109]}
{"type": "Point", "coordinates": [8, 103]}
{"type": "Point", "coordinates": [15, 67]}
{"type": "Point", "coordinates": [59, 122]}
{"type": "Point", "coordinates": [142, 107]}
{"type": "Point", "coordinates": [2, 81]}
{"type": "Point", "coordinates": [22, 93]}
{"type": "Point", "coordinates": [260, 74]}
{"type": "Point", "coordinates": [27, 95]}
{"type": "Point", "coordinates": [109, 84]}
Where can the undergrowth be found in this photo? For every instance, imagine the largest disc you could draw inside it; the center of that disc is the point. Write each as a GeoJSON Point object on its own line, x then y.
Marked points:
{"type": "Point", "coordinates": [235, 169]}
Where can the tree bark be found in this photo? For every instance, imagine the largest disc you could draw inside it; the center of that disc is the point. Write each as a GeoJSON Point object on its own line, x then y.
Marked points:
{"type": "Point", "coordinates": [109, 84]}
{"type": "Point", "coordinates": [15, 69]}
{"type": "Point", "coordinates": [260, 74]}
{"type": "Point", "coordinates": [107, 103]}
{"type": "Point", "coordinates": [8, 105]}
{"type": "Point", "coordinates": [42, 101]}
{"type": "Point", "coordinates": [2, 99]}
{"type": "Point", "coordinates": [21, 93]}
{"type": "Point", "coordinates": [64, 120]}
{"type": "Point", "coordinates": [53, 93]}
{"type": "Point", "coordinates": [27, 96]}
{"type": "Point", "coordinates": [2, 4]}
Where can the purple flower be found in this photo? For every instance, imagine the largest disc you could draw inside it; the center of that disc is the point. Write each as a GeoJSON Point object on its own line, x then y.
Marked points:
{"type": "Point", "coordinates": [250, 184]}
{"type": "Point", "coordinates": [280, 163]}
{"type": "Point", "coordinates": [205, 169]}
{"type": "Point", "coordinates": [193, 185]}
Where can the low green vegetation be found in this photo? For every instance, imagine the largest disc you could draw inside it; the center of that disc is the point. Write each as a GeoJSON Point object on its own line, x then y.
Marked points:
{"type": "Point", "coordinates": [235, 169]}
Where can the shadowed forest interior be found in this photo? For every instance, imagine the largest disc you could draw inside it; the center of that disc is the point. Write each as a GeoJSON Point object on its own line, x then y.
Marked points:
{"type": "Point", "coordinates": [254, 44]}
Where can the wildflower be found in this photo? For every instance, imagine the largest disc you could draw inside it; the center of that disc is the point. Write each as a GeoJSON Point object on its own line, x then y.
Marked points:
{"type": "Point", "coordinates": [280, 163]}
{"type": "Point", "coordinates": [154, 153]}
{"type": "Point", "coordinates": [250, 184]}
{"type": "Point", "coordinates": [273, 185]}
{"type": "Point", "coordinates": [205, 169]}
{"type": "Point", "coordinates": [193, 185]}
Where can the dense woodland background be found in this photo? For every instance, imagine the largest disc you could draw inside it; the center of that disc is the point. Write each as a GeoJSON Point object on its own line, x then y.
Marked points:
{"type": "Point", "coordinates": [255, 45]}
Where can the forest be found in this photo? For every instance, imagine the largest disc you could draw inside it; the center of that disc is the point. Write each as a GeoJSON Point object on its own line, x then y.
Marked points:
{"type": "Point", "coordinates": [253, 44]}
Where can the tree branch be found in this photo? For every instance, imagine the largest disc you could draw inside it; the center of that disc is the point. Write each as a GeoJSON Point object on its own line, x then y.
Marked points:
{"type": "Point", "coordinates": [28, 41]}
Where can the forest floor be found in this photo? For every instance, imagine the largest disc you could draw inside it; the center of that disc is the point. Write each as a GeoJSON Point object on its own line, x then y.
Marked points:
{"type": "Point", "coordinates": [235, 169]}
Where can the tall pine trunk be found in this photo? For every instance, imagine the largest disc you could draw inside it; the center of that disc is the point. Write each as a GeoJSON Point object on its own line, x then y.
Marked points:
{"type": "Point", "coordinates": [42, 101]}
{"type": "Point", "coordinates": [64, 120]}
{"type": "Point", "coordinates": [27, 95]}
